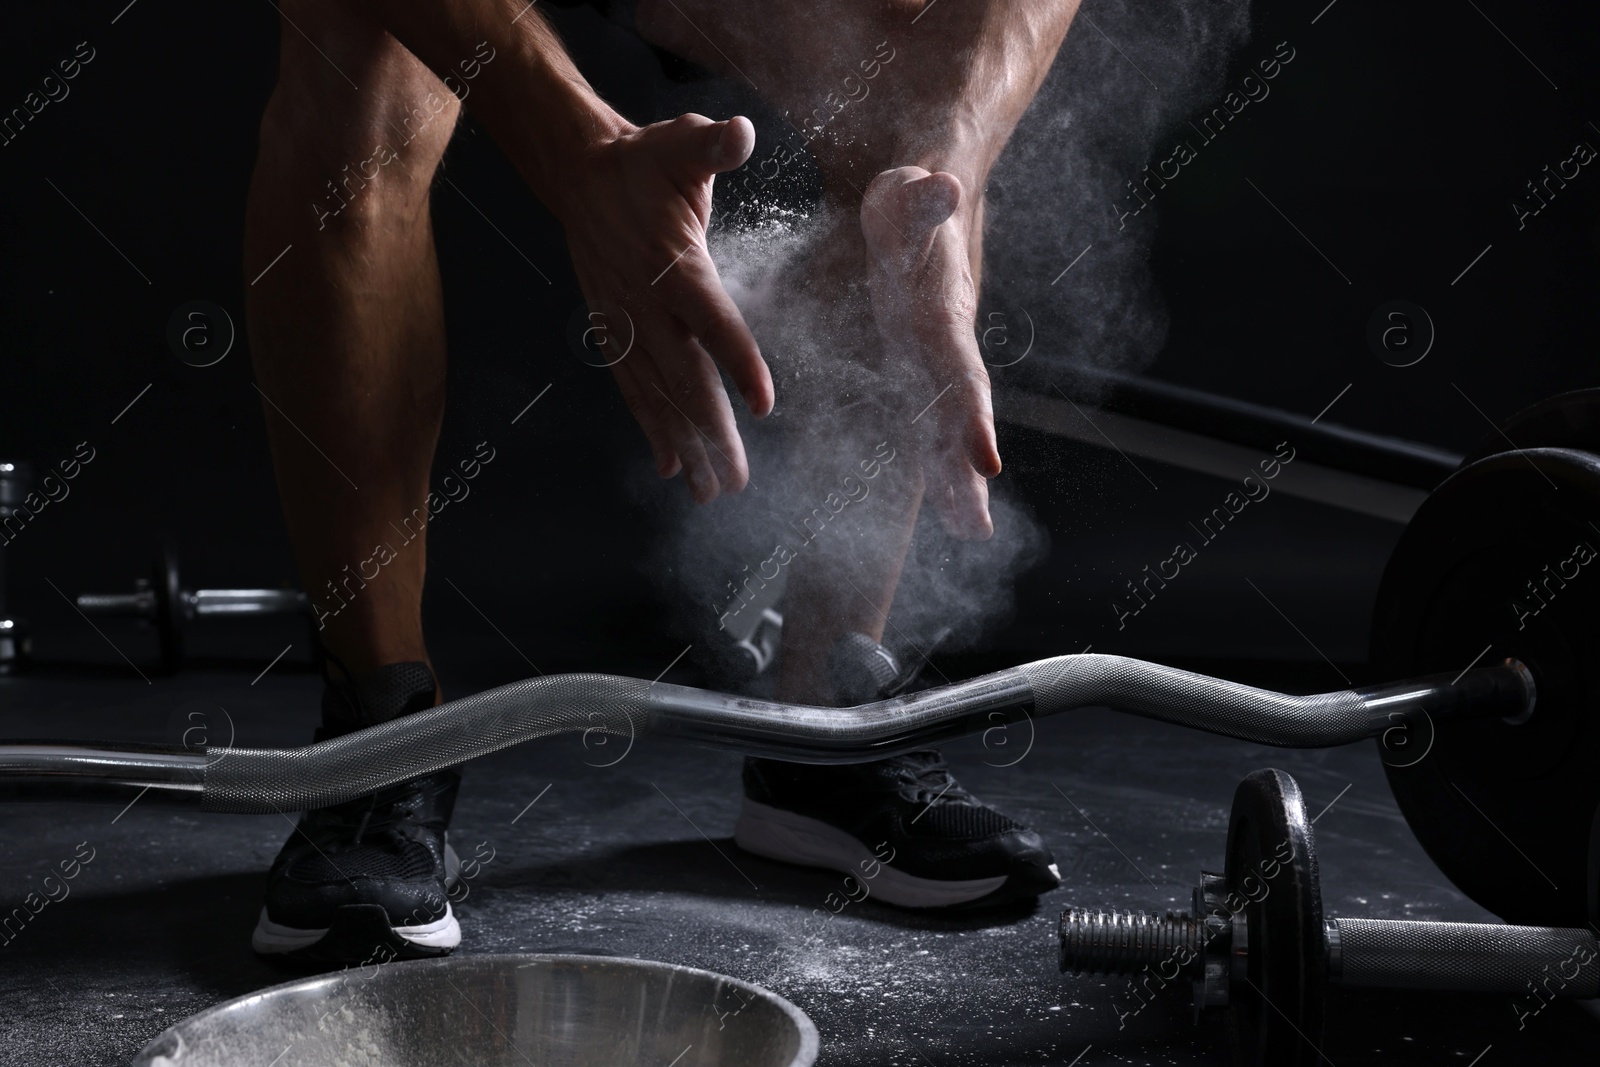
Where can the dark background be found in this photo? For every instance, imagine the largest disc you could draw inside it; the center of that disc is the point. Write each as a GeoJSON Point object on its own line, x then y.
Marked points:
{"type": "Point", "coordinates": [1397, 147]}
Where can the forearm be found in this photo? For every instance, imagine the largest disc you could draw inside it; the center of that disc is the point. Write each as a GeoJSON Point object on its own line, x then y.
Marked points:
{"type": "Point", "coordinates": [1013, 46]}
{"type": "Point", "coordinates": [951, 108]}
{"type": "Point", "coordinates": [524, 88]}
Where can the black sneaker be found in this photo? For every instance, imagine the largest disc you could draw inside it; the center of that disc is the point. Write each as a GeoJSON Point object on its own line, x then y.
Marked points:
{"type": "Point", "coordinates": [367, 879]}
{"type": "Point", "coordinates": [902, 826]}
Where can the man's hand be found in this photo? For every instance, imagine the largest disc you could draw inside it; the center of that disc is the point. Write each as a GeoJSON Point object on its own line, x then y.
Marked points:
{"type": "Point", "coordinates": [635, 215]}
{"type": "Point", "coordinates": [924, 301]}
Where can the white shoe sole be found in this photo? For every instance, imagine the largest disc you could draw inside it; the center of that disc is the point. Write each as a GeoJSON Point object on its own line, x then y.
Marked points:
{"type": "Point", "coordinates": [784, 835]}
{"type": "Point", "coordinates": [272, 938]}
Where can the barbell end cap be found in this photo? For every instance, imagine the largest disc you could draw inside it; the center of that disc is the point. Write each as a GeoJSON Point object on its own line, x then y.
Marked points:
{"type": "Point", "coordinates": [1529, 687]}
{"type": "Point", "coordinates": [1333, 950]}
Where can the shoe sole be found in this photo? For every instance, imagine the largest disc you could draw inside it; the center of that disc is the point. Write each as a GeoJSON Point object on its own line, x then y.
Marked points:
{"type": "Point", "coordinates": [359, 933]}
{"type": "Point", "coordinates": [783, 835]}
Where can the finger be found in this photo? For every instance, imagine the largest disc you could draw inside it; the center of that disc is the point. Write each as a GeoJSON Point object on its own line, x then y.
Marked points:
{"type": "Point", "coordinates": [642, 405]}
{"type": "Point", "coordinates": [691, 384]}
{"type": "Point", "coordinates": [963, 500]}
{"type": "Point", "coordinates": [700, 148]}
{"type": "Point", "coordinates": [645, 413]}
{"type": "Point", "coordinates": [932, 199]}
{"type": "Point", "coordinates": [698, 469]}
{"type": "Point", "coordinates": [661, 388]}
{"type": "Point", "coordinates": [922, 200]}
{"type": "Point", "coordinates": [982, 448]}
{"type": "Point", "coordinates": [687, 412]}
{"type": "Point", "coordinates": [698, 298]}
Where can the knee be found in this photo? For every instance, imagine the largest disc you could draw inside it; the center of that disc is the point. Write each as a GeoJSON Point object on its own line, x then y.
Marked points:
{"type": "Point", "coordinates": [355, 117]}
{"type": "Point", "coordinates": [371, 156]}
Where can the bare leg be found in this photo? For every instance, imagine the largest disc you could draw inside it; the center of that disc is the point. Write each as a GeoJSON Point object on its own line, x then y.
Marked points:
{"type": "Point", "coordinates": [845, 585]}
{"type": "Point", "coordinates": [347, 329]}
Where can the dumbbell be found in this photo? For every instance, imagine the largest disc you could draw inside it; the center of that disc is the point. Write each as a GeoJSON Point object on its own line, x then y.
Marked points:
{"type": "Point", "coordinates": [1257, 946]}
{"type": "Point", "coordinates": [162, 601]}
{"type": "Point", "coordinates": [15, 641]}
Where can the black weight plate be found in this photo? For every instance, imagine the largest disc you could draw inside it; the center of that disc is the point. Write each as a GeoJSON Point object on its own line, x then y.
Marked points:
{"type": "Point", "coordinates": [169, 610]}
{"type": "Point", "coordinates": [1500, 561]}
{"type": "Point", "coordinates": [1566, 420]}
{"type": "Point", "coordinates": [1276, 1015]}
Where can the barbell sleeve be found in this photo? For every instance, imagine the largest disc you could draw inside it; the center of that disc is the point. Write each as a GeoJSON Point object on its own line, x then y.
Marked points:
{"type": "Point", "coordinates": [1537, 961]}
{"type": "Point", "coordinates": [205, 602]}
{"type": "Point", "coordinates": [140, 605]}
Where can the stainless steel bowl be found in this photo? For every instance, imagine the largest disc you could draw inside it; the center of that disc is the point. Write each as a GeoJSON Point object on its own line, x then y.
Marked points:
{"type": "Point", "coordinates": [489, 1011]}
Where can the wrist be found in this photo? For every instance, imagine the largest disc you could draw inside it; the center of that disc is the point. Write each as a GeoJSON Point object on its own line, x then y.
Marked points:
{"type": "Point", "coordinates": [550, 122]}
{"type": "Point", "coordinates": [562, 140]}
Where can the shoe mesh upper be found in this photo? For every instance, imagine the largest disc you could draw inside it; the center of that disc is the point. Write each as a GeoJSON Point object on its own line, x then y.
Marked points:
{"type": "Point", "coordinates": [407, 860]}
{"type": "Point", "coordinates": [965, 822]}
{"type": "Point", "coordinates": [924, 777]}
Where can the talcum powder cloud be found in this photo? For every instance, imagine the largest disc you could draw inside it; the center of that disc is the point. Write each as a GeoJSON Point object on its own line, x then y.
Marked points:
{"type": "Point", "coordinates": [1092, 127]}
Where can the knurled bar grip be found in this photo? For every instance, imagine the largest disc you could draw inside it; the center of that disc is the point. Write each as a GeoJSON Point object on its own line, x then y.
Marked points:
{"type": "Point", "coordinates": [1467, 957]}
{"type": "Point", "coordinates": [134, 604]}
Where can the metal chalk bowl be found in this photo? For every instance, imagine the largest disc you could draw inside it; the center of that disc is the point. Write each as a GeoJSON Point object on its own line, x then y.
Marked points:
{"type": "Point", "coordinates": [489, 1011]}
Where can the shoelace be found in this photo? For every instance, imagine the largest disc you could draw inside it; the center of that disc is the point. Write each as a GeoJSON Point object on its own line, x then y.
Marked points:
{"type": "Point", "coordinates": [929, 777]}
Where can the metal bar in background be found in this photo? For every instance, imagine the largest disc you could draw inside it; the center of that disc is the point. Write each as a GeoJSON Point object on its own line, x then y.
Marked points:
{"type": "Point", "coordinates": [1389, 499]}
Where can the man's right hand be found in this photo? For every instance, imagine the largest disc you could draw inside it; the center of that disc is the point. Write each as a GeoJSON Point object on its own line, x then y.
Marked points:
{"type": "Point", "coordinates": [635, 213]}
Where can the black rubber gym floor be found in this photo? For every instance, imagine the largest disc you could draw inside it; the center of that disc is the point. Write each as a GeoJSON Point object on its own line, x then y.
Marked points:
{"type": "Point", "coordinates": [637, 859]}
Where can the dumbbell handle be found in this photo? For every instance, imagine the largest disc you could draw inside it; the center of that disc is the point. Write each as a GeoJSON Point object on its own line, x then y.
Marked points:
{"type": "Point", "coordinates": [1466, 957]}
{"type": "Point", "coordinates": [246, 601]}
{"type": "Point", "coordinates": [1541, 961]}
{"type": "Point", "coordinates": [142, 604]}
